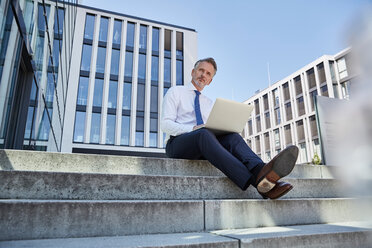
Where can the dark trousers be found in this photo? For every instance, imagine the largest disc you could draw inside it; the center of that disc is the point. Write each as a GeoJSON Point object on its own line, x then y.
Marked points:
{"type": "Point", "coordinates": [229, 153]}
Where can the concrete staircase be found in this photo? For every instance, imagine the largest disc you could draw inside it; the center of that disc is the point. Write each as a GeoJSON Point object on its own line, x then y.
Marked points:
{"type": "Point", "coordinates": [76, 200]}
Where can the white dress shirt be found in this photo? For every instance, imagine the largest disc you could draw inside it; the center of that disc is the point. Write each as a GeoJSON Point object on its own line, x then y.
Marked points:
{"type": "Point", "coordinates": [178, 113]}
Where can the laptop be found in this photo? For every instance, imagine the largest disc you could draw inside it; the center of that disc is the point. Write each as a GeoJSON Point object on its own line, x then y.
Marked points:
{"type": "Point", "coordinates": [228, 116]}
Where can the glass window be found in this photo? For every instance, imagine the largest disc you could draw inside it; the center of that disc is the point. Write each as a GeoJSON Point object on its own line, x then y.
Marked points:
{"type": "Point", "coordinates": [276, 138]}
{"type": "Point", "coordinates": [115, 61]}
{"type": "Point", "coordinates": [278, 118]}
{"type": "Point", "coordinates": [98, 90]}
{"type": "Point", "coordinates": [288, 111]}
{"type": "Point", "coordinates": [41, 18]}
{"type": "Point", "coordinates": [321, 73]}
{"type": "Point", "coordinates": [95, 128]}
{"type": "Point", "coordinates": [116, 39]}
{"type": "Point", "coordinates": [101, 60]}
{"type": "Point", "coordinates": [103, 27]}
{"type": "Point", "coordinates": [179, 45]}
{"type": "Point", "coordinates": [286, 91]}
{"type": "Point", "coordinates": [58, 20]}
{"type": "Point", "coordinates": [79, 126]}
{"type": "Point", "coordinates": [153, 124]}
{"type": "Point", "coordinates": [83, 91]}
{"type": "Point", "coordinates": [312, 96]}
{"type": "Point", "coordinates": [250, 130]}
{"type": "Point", "coordinates": [179, 72]}
{"type": "Point", "coordinates": [153, 132]}
{"type": "Point", "coordinates": [155, 39]}
{"type": "Point", "coordinates": [110, 129]}
{"type": "Point", "coordinates": [324, 90]}
{"type": "Point", "coordinates": [300, 106]}
{"type": "Point", "coordinates": [311, 78]}
{"type": "Point", "coordinates": [125, 129]}
{"type": "Point", "coordinates": [139, 138]}
{"type": "Point", "coordinates": [43, 133]}
{"type": "Point", "coordinates": [127, 93]}
{"type": "Point", "coordinates": [167, 42]}
{"type": "Point", "coordinates": [56, 52]}
{"type": "Point", "coordinates": [153, 139]}
{"type": "Point", "coordinates": [89, 27]}
{"type": "Point", "coordinates": [288, 134]}
{"type": "Point", "coordinates": [139, 131]}
{"type": "Point", "coordinates": [276, 97]}
{"type": "Point", "coordinates": [128, 69]}
{"type": "Point", "coordinates": [154, 68]}
{"type": "Point", "coordinates": [258, 124]}
{"type": "Point", "coordinates": [113, 92]}
{"type": "Point", "coordinates": [298, 86]}
{"type": "Point", "coordinates": [267, 120]}
{"type": "Point", "coordinates": [130, 34]}
{"type": "Point", "coordinates": [39, 51]}
{"type": "Point", "coordinates": [143, 37]}
{"type": "Point", "coordinates": [300, 130]}
{"type": "Point", "coordinates": [86, 57]}
{"type": "Point", "coordinates": [154, 99]}
{"type": "Point", "coordinates": [30, 115]}
{"type": "Point", "coordinates": [141, 97]}
{"type": "Point", "coordinates": [142, 66]}
{"type": "Point", "coordinates": [50, 88]}
{"type": "Point", "coordinates": [167, 70]}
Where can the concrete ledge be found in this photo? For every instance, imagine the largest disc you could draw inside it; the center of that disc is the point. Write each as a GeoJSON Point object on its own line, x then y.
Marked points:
{"type": "Point", "coordinates": [87, 186]}
{"type": "Point", "coordinates": [233, 214]}
{"type": "Point", "coordinates": [22, 219]}
{"type": "Point", "coordinates": [348, 234]}
{"type": "Point", "coordinates": [179, 240]}
{"type": "Point", "coordinates": [11, 160]}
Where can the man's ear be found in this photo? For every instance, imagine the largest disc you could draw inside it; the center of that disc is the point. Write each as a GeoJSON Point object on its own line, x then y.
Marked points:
{"type": "Point", "coordinates": [210, 81]}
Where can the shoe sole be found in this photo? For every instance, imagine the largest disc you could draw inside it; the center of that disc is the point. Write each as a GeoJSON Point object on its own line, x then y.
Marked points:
{"type": "Point", "coordinates": [286, 162]}
{"type": "Point", "coordinates": [283, 165]}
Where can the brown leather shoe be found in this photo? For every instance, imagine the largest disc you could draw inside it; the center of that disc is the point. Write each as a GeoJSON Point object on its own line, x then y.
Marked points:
{"type": "Point", "coordinates": [280, 166]}
{"type": "Point", "coordinates": [280, 189]}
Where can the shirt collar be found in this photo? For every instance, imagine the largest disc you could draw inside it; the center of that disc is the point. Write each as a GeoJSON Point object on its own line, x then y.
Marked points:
{"type": "Point", "coordinates": [190, 86]}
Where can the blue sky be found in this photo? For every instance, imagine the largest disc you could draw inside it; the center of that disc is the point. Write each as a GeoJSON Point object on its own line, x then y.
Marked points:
{"type": "Point", "coordinates": [244, 36]}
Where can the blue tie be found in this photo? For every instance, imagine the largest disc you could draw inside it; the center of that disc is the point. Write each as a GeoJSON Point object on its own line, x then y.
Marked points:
{"type": "Point", "coordinates": [199, 119]}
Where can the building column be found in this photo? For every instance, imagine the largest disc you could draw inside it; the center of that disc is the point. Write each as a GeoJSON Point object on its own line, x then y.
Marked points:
{"type": "Point", "coordinates": [161, 85]}
{"type": "Point", "coordinates": [133, 113]}
{"type": "Point", "coordinates": [148, 88]}
{"type": "Point", "coordinates": [106, 82]}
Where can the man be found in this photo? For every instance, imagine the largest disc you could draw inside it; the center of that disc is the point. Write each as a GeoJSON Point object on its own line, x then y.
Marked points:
{"type": "Point", "coordinates": [184, 111]}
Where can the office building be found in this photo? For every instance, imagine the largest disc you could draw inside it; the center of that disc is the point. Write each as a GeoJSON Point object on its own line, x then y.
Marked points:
{"type": "Point", "coordinates": [121, 68]}
{"type": "Point", "coordinates": [81, 79]}
{"type": "Point", "coordinates": [284, 113]}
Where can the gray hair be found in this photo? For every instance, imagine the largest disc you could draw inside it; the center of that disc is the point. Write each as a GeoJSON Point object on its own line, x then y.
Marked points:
{"type": "Point", "coordinates": [209, 60]}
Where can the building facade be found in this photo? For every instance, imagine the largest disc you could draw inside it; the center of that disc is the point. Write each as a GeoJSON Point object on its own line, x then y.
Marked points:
{"type": "Point", "coordinates": [284, 113]}
{"type": "Point", "coordinates": [35, 53]}
{"type": "Point", "coordinates": [122, 67]}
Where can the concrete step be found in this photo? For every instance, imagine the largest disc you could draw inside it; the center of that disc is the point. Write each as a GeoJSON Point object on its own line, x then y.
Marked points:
{"type": "Point", "coordinates": [88, 186]}
{"type": "Point", "coordinates": [343, 234]}
{"type": "Point", "coordinates": [235, 214]}
{"type": "Point", "coordinates": [340, 235]}
{"type": "Point", "coordinates": [176, 240]}
{"type": "Point", "coordinates": [41, 219]}
{"type": "Point", "coordinates": [86, 163]}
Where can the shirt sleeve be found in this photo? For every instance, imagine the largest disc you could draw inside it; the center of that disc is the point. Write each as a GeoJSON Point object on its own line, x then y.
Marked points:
{"type": "Point", "coordinates": [169, 115]}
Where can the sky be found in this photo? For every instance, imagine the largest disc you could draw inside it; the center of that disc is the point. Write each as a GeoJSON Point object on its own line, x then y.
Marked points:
{"type": "Point", "coordinates": [251, 40]}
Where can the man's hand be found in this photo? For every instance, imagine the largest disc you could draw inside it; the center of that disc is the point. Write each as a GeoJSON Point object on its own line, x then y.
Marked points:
{"type": "Point", "coordinates": [198, 127]}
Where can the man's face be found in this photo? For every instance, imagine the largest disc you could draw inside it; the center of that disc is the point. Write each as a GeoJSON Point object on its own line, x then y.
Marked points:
{"type": "Point", "coordinates": [202, 75]}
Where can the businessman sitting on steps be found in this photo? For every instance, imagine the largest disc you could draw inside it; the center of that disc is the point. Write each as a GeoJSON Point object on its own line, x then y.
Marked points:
{"type": "Point", "coordinates": [184, 111]}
